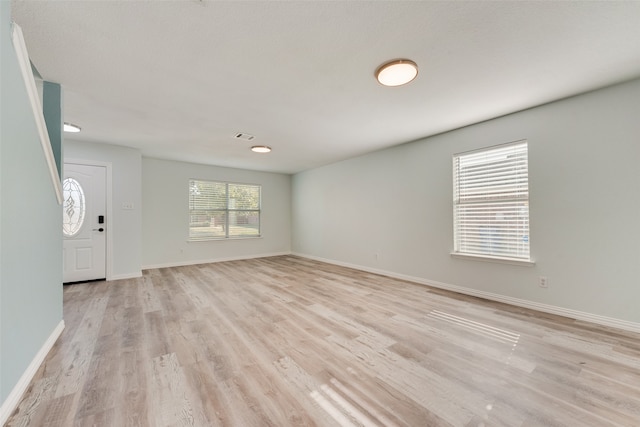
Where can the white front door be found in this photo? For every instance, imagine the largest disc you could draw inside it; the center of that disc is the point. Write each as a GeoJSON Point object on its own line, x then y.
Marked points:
{"type": "Point", "coordinates": [84, 224]}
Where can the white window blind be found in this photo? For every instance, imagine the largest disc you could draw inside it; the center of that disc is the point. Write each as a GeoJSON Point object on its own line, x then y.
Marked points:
{"type": "Point", "coordinates": [491, 202]}
{"type": "Point", "coordinates": [219, 210]}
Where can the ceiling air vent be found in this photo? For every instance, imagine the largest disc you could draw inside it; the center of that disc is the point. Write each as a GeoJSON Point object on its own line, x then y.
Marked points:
{"type": "Point", "coordinates": [245, 136]}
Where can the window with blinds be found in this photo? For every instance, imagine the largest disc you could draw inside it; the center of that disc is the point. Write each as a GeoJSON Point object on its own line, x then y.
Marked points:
{"type": "Point", "coordinates": [491, 202]}
{"type": "Point", "coordinates": [219, 210]}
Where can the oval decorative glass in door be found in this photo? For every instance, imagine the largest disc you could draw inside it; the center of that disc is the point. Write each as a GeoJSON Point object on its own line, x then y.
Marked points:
{"type": "Point", "coordinates": [73, 208]}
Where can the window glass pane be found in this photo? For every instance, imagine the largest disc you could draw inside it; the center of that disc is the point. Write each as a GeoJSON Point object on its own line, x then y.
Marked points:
{"type": "Point", "coordinates": [244, 196]}
{"type": "Point", "coordinates": [207, 224]}
{"type": "Point", "coordinates": [245, 223]}
{"type": "Point", "coordinates": [74, 207]}
{"type": "Point", "coordinates": [207, 195]}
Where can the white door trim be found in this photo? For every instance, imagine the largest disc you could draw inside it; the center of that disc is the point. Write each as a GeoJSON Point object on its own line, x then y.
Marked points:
{"type": "Point", "coordinates": [109, 210]}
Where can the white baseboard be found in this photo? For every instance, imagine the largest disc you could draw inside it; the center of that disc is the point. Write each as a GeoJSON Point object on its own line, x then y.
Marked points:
{"type": "Point", "coordinates": [546, 308]}
{"type": "Point", "coordinates": [12, 401]}
{"type": "Point", "coordinates": [209, 261]}
{"type": "Point", "coordinates": [125, 276]}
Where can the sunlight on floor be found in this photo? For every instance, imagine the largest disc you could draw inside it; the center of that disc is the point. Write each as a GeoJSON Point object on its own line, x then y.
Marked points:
{"type": "Point", "coordinates": [486, 330]}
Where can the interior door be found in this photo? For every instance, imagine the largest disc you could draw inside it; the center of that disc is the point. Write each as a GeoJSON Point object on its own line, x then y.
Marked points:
{"type": "Point", "coordinates": [84, 222]}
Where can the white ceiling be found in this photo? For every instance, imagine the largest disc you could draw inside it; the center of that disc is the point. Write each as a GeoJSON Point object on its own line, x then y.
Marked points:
{"type": "Point", "coordinates": [178, 79]}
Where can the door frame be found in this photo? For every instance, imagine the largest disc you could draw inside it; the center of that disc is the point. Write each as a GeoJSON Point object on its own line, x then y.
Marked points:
{"type": "Point", "coordinates": [108, 207]}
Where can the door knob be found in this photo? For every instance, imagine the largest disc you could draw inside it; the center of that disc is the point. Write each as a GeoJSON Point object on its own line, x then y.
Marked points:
{"type": "Point", "coordinates": [99, 229]}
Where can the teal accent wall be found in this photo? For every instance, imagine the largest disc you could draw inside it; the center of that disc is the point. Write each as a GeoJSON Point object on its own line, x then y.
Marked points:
{"type": "Point", "coordinates": [30, 226]}
{"type": "Point", "coordinates": [52, 109]}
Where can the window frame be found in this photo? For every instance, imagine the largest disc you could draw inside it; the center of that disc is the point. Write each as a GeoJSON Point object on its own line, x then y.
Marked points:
{"type": "Point", "coordinates": [492, 199]}
{"type": "Point", "coordinates": [226, 211]}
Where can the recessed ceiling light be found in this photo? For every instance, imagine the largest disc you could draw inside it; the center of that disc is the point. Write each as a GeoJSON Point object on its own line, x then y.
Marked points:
{"type": "Point", "coordinates": [260, 149]}
{"type": "Point", "coordinates": [70, 127]}
{"type": "Point", "coordinates": [397, 73]}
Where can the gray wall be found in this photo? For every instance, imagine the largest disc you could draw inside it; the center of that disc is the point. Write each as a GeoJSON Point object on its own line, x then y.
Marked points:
{"type": "Point", "coordinates": [30, 227]}
{"type": "Point", "coordinates": [584, 205]}
{"type": "Point", "coordinates": [125, 224]}
{"type": "Point", "coordinates": [165, 215]}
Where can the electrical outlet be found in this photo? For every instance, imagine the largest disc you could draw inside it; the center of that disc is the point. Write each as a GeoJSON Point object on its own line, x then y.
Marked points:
{"type": "Point", "coordinates": [543, 282]}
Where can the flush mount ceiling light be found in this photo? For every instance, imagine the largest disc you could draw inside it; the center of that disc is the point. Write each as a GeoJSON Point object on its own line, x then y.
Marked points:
{"type": "Point", "coordinates": [260, 149]}
{"type": "Point", "coordinates": [70, 127]}
{"type": "Point", "coordinates": [397, 73]}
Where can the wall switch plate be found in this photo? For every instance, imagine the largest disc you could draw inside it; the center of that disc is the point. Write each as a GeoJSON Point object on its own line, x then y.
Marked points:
{"type": "Point", "coordinates": [543, 282]}
{"type": "Point", "coordinates": [127, 206]}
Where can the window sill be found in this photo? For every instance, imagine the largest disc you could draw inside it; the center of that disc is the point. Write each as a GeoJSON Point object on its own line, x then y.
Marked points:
{"type": "Point", "coordinates": [222, 239]}
{"type": "Point", "coordinates": [499, 260]}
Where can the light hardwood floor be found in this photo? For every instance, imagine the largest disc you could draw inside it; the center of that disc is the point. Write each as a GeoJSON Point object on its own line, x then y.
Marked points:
{"type": "Point", "coordinates": [286, 341]}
